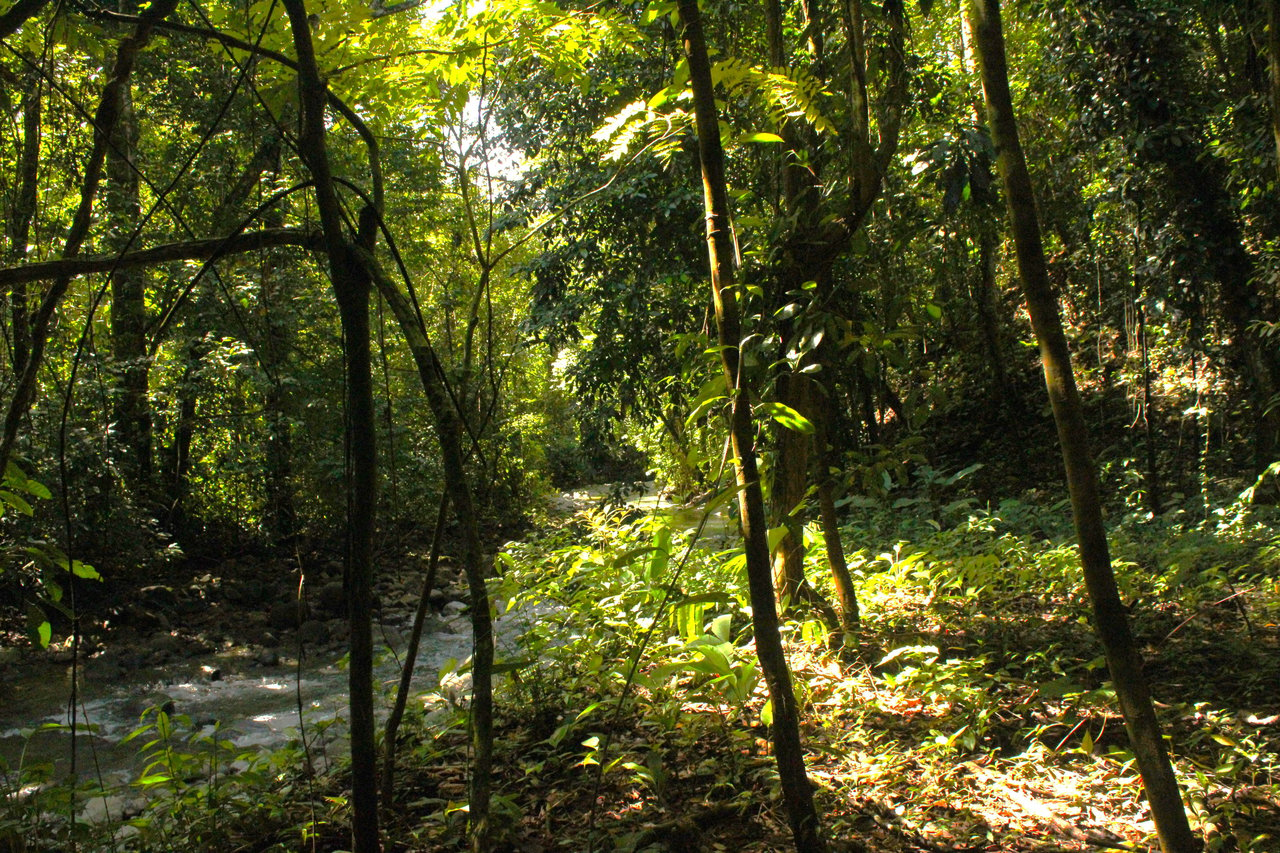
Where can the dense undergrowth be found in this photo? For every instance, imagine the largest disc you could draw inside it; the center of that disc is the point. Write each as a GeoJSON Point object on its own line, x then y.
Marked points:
{"type": "Point", "coordinates": [972, 711]}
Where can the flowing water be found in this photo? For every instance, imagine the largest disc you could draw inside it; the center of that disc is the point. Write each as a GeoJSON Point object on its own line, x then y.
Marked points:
{"type": "Point", "coordinates": [250, 705]}
{"type": "Point", "coordinates": [232, 694]}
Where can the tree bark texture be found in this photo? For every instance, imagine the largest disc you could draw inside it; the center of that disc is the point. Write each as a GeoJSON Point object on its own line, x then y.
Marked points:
{"type": "Point", "coordinates": [411, 658]}
{"type": "Point", "coordinates": [1273, 64]}
{"type": "Point", "coordinates": [18, 14]}
{"type": "Point", "coordinates": [788, 751]}
{"type": "Point", "coordinates": [131, 406]}
{"type": "Point", "coordinates": [187, 250]}
{"type": "Point", "coordinates": [351, 287]}
{"type": "Point", "coordinates": [1110, 617]}
{"type": "Point", "coordinates": [24, 211]}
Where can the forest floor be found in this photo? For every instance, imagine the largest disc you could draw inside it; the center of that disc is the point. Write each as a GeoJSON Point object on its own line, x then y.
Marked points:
{"type": "Point", "coordinates": [970, 713]}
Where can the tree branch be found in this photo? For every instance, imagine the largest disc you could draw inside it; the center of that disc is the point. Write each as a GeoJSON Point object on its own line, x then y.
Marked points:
{"type": "Point", "coordinates": [18, 14]}
{"type": "Point", "coordinates": [189, 250]}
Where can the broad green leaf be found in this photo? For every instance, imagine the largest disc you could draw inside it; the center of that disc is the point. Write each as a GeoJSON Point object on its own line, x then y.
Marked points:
{"type": "Point", "coordinates": [785, 416]}
{"type": "Point", "coordinates": [760, 137]}
{"type": "Point", "coordinates": [84, 570]}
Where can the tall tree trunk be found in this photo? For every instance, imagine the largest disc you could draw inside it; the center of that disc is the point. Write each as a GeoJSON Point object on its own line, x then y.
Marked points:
{"type": "Point", "coordinates": [351, 286]}
{"type": "Point", "coordinates": [1273, 63]}
{"type": "Point", "coordinates": [392, 729]}
{"type": "Point", "coordinates": [24, 211]}
{"type": "Point", "coordinates": [815, 243]}
{"type": "Point", "coordinates": [846, 595]}
{"type": "Point", "coordinates": [1110, 617]}
{"type": "Point", "coordinates": [788, 751]}
{"type": "Point", "coordinates": [132, 408]}
{"type": "Point", "coordinates": [279, 516]}
{"type": "Point", "coordinates": [178, 476]}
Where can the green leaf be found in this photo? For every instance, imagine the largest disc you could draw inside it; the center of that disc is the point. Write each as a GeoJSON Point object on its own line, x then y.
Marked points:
{"type": "Point", "coordinates": [935, 311]}
{"type": "Point", "coordinates": [720, 626]}
{"type": "Point", "coordinates": [511, 666]}
{"type": "Point", "coordinates": [654, 11]}
{"type": "Point", "coordinates": [84, 570]}
{"type": "Point", "coordinates": [38, 626]}
{"type": "Point", "coordinates": [760, 137]}
{"type": "Point", "coordinates": [16, 502]}
{"type": "Point", "coordinates": [785, 416]}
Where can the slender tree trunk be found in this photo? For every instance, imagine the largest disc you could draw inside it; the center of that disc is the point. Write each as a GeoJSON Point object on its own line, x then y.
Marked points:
{"type": "Point", "coordinates": [1273, 63]}
{"type": "Point", "coordinates": [788, 751]}
{"type": "Point", "coordinates": [790, 481]}
{"type": "Point", "coordinates": [132, 408]}
{"type": "Point", "coordinates": [24, 211]}
{"type": "Point", "coordinates": [846, 595]}
{"type": "Point", "coordinates": [351, 286]}
{"type": "Point", "coordinates": [17, 14]}
{"type": "Point", "coordinates": [986, 299]}
{"type": "Point", "coordinates": [1154, 502]}
{"type": "Point", "coordinates": [411, 659]}
{"type": "Point", "coordinates": [184, 427]}
{"type": "Point", "coordinates": [280, 514]}
{"type": "Point", "coordinates": [1110, 617]}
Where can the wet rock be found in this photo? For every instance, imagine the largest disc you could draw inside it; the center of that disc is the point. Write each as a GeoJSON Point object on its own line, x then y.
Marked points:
{"type": "Point", "coordinates": [438, 599]}
{"type": "Point", "coordinates": [165, 647]}
{"type": "Point", "coordinates": [212, 673]}
{"type": "Point", "coordinates": [135, 615]}
{"type": "Point", "coordinates": [160, 597]}
{"type": "Point", "coordinates": [453, 608]}
{"type": "Point", "coordinates": [267, 657]}
{"type": "Point", "coordinates": [285, 615]}
{"type": "Point", "coordinates": [314, 632]}
{"type": "Point", "coordinates": [260, 635]}
{"type": "Point", "coordinates": [245, 592]}
{"type": "Point", "coordinates": [332, 598]}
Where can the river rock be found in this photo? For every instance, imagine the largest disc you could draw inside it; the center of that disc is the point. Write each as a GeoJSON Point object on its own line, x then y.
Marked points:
{"type": "Point", "coordinates": [211, 672]}
{"type": "Point", "coordinates": [453, 608]}
{"type": "Point", "coordinates": [245, 592]}
{"type": "Point", "coordinates": [314, 632]}
{"type": "Point", "coordinates": [260, 635]}
{"type": "Point", "coordinates": [285, 615]}
{"type": "Point", "coordinates": [166, 646]}
{"type": "Point", "coordinates": [267, 657]}
{"type": "Point", "coordinates": [159, 597]}
{"type": "Point", "coordinates": [332, 597]}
